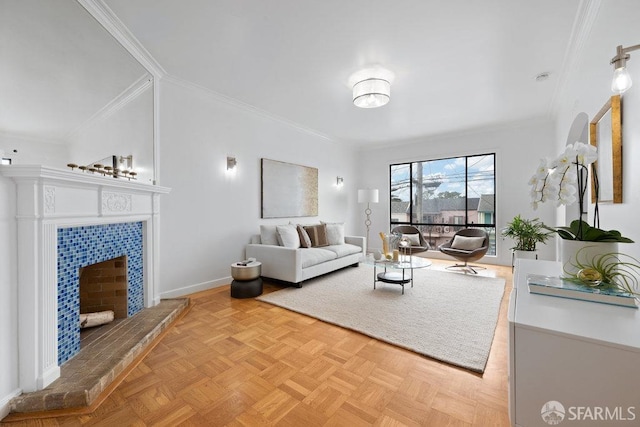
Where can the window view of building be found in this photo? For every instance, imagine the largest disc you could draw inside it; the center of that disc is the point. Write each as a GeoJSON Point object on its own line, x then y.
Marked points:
{"type": "Point", "coordinates": [443, 196]}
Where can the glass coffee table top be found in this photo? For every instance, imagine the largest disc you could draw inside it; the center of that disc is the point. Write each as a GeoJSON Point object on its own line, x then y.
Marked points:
{"type": "Point", "coordinates": [398, 272]}
{"type": "Point", "coordinates": [404, 262]}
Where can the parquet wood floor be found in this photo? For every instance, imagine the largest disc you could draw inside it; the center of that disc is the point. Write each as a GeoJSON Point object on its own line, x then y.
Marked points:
{"type": "Point", "coordinates": [232, 362]}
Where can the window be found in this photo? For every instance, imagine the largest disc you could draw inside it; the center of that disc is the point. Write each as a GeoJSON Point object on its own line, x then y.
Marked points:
{"type": "Point", "coordinates": [5, 161]}
{"type": "Point", "coordinates": [442, 196]}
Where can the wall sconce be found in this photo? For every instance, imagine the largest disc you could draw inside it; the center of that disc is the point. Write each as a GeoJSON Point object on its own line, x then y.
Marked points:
{"type": "Point", "coordinates": [621, 79]}
{"type": "Point", "coordinates": [339, 181]}
{"type": "Point", "coordinates": [125, 163]}
{"type": "Point", "coordinates": [231, 164]}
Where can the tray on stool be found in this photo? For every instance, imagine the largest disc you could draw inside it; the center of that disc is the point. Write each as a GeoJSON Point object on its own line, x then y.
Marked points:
{"type": "Point", "coordinates": [247, 282]}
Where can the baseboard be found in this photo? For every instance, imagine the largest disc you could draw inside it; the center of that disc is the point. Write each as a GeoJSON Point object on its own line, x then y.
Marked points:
{"type": "Point", "coordinates": [191, 289]}
{"type": "Point", "coordinates": [5, 407]}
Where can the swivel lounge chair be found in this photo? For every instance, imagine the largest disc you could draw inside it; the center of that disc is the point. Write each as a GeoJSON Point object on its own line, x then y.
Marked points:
{"type": "Point", "coordinates": [467, 245]}
{"type": "Point", "coordinates": [418, 244]}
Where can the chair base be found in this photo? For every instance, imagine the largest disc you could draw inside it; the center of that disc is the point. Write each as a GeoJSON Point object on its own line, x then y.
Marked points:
{"type": "Point", "coordinates": [471, 268]}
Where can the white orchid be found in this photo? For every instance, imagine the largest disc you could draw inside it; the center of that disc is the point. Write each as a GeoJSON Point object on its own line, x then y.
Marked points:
{"type": "Point", "coordinates": [557, 180]}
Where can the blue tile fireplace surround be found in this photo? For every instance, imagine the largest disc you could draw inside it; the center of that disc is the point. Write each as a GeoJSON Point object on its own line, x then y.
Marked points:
{"type": "Point", "coordinates": [82, 246]}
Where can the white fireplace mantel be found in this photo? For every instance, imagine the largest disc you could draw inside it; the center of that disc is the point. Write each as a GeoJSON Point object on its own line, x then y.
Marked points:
{"type": "Point", "coordinates": [47, 199]}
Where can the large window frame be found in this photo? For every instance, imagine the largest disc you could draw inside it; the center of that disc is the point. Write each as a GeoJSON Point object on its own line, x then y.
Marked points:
{"type": "Point", "coordinates": [432, 224]}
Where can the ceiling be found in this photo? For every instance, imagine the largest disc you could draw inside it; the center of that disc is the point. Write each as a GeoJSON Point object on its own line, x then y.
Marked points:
{"type": "Point", "coordinates": [457, 65]}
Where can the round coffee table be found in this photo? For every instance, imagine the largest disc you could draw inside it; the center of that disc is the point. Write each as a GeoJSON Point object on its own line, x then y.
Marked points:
{"type": "Point", "coordinates": [398, 272]}
{"type": "Point", "coordinates": [247, 282]}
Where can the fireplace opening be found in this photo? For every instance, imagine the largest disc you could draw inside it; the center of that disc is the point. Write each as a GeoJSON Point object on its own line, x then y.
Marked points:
{"type": "Point", "coordinates": [102, 288]}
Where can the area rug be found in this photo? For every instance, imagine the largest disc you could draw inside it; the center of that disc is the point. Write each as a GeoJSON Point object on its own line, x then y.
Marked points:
{"type": "Point", "coordinates": [446, 316]}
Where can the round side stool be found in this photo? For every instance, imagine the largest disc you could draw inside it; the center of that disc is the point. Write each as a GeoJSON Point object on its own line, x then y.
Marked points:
{"type": "Point", "coordinates": [247, 282]}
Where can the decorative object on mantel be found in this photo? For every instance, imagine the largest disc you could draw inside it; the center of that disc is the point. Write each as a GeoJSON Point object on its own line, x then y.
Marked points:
{"type": "Point", "coordinates": [560, 182]}
{"type": "Point", "coordinates": [122, 167]}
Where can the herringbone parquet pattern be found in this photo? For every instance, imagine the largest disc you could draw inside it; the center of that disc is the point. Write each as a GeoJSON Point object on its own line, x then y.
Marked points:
{"type": "Point", "coordinates": [247, 363]}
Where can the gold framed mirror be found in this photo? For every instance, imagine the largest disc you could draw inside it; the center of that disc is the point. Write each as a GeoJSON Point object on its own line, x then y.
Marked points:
{"type": "Point", "coordinates": [605, 133]}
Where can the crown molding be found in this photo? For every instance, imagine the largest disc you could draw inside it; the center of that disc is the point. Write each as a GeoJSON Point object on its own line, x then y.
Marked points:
{"type": "Point", "coordinates": [244, 106]}
{"type": "Point", "coordinates": [129, 94]}
{"type": "Point", "coordinates": [108, 19]}
{"type": "Point", "coordinates": [580, 32]}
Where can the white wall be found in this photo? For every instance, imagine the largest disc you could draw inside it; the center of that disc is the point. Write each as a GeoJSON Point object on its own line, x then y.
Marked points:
{"type": "Point", "coordinates": [31, 151]}
{"type": "Point", "coordinates": [209, 216]}
{"type": "Point", "coordinates": [9, 295]}
{"type": "Point", "coordinates": [616, 24]}
{"type": "Point", "coordinates": [518, 149]}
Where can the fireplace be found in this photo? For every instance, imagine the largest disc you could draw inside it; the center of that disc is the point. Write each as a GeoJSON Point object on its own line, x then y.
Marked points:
{"type": "Point", "coordinates": [80, 247]}
{"type": "Point", "coordinates": [51, 206]}
{"type": "Point", "coordinates": [103, 287]}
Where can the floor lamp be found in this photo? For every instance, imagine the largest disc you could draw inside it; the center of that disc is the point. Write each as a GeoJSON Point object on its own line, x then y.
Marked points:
{"type": "Point", "coordinates": [367, 196]}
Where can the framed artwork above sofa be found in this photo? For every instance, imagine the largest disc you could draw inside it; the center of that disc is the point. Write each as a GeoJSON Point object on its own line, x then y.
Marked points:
{"type": "Point", "coordinates": [288, 190]}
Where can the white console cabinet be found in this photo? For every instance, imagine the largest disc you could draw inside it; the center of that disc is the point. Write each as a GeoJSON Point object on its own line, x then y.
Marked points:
{"type": "Point", "coordinates": [583, 355]}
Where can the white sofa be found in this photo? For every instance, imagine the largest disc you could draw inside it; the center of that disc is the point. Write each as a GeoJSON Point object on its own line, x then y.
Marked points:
{"type": "Point", "coordinates": [295, 265]}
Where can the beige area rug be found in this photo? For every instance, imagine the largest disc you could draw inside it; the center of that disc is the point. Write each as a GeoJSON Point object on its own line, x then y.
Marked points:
{"type": "Point", "coordinates": [447, 316]}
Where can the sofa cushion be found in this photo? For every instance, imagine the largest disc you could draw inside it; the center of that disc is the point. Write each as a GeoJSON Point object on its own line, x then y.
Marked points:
{"type": "Point", "coordinates": [317, 234]}
{"type": "Point", "coordinates": [288, 236]}
{"type": "Point", "coordinates": [343, 250]}
{"type": "Point", "coordinates": [335, 233]}
{"type": "Point", "coordinates": [313, 256]}
{"type": "Point", "coordinates": [305, 240]}
{"type": "Point", "coordinates": [268, 235]}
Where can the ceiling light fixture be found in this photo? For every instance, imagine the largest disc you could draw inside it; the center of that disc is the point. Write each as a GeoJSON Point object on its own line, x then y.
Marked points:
{"type": "Point", "coordinates": [621, 79]}
{"type": "Point", "coordinates": [371, 92]}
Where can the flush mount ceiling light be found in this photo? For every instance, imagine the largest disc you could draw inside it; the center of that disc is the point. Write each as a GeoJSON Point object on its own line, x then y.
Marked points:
{"type": "Point", "coordinates": [371, 92]}
{"type": "Point", "coordinates": [621, 79]}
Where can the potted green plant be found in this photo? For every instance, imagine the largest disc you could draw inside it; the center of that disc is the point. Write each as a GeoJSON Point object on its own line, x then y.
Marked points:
{"type": "Point", "coordinates": [527, 233]}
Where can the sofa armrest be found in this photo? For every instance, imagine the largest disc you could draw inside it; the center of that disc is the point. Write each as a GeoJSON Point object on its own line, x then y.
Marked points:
{"type": "Point", "coordinates": [278, 262]}
{"type": "Point", "coordinates": [358, 241]}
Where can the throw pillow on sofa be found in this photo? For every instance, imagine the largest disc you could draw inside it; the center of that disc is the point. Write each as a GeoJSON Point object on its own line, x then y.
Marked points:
{"type": "Point", "coordinates": [288, 236]}
{"type": "Point", "coordinates": [335, 233]}
{"type": "Point", "coordinates": [269, 235]}
{"type": "Point", "coordinates": [317, 234]}
{"type": "Point", "coordinates": [305, 240]}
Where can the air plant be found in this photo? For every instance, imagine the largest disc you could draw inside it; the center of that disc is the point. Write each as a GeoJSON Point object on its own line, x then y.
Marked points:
{"type": "Point", "coordinates": [608, 270]}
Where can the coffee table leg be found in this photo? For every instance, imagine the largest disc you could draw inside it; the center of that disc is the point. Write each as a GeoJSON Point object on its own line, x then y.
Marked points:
{"type": "Point", "coordinates": [375, 276]}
